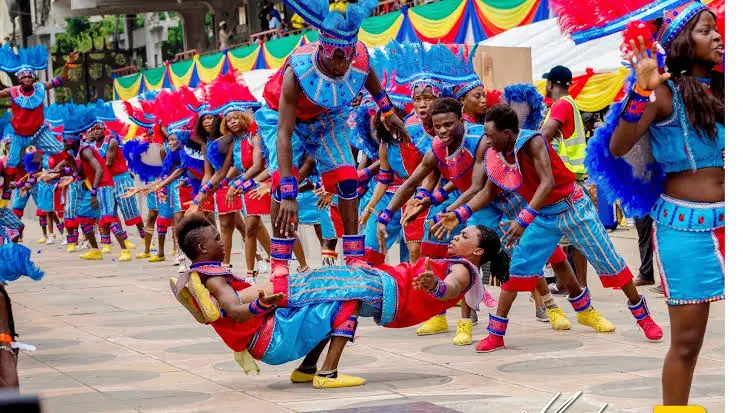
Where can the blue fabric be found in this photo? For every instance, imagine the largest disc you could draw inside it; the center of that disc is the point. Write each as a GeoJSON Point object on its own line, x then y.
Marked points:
{"type": "Point", "coordinates": [578, 221]}
{"type": "Point", "coordinates": [325, 139]}
{"type": "Point", "coordinates": [688, 216]}
{"type": "Point", "coordinates": [127, 206]}
{"type": "Point", "coordinates": [298, 330]}
{"type": "Point", "coordinates": [45, 197]}
{"type": "Point", "coordinates": [671, 137]}
{"type": "Point", "coordinates": [20, 201]}
{"type": "Point", "coordinates": [432, 212]}
{"type": "Point", "coordinates": [170, 205]}
{"type": "Point", "coordinates": [335, 283]}
{"type": "Point", "coordinates": [689, 279]}
{"type": "Point", "coordinates": [394, 227]}
{"type": "Point", "coordinates": [42, 140]}
{"type": "Point", "coordinates": [31, 102]}
{"type": "Point", "coordinates": [421, 139]}
{"type": "Point", "coordinates": [308, 212]}
{"type": "Point", "coordinates": [72, 200]}
{"type": "Point", "coordinates": [105, 203]}
{"type": "Point", "coordinates": [151, 202]}
{"type": "Point", "coordinates": [9, 220]}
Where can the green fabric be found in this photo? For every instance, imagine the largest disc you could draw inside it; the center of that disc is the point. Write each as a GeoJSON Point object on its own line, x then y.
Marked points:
{"type": "Point", "coordinates": [503, 4]}
{"type": "Point", "coordinates": [181, 68]}
{"type": "Point", "coordinates": [282, 47]}
{"type": "Point", "coordinates": [211, 60]}
{"type": "Point", "coordinates": [378, 24]}
{"type": "Point", "coordinates": [311, 36]}
{"type": "Point", "coordinates": [154, 76]}
{"type": "Point", "coordinates": [128, 81]}
{"type": "Point", "coordinates": [245, 51]}
{"type": "Point", "coordinates": [439, 10]}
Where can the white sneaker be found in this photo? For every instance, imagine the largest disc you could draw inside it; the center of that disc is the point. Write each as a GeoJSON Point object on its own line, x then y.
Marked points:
{"type": "Point", "coordinates": [64, 242]}
{"type": "Point", "coordinates": [51, 240]}
{"type": "Point", "coordinates": [262, 267]}
{"type": "Point", "coordinates": [182, 267]}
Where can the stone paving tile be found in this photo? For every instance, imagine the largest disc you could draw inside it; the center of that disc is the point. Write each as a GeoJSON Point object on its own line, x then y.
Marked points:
{"type": "Point", "coordinates": [111, 338]}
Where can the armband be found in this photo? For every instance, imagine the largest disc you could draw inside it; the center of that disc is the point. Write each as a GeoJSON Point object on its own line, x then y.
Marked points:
{"type": "Point", "coordinates": [637, 101]}
{"type": "Point", "coordinates": [385, 217]}
{"type": "Point", "coordinates": [288, 187]}
{"type": "Point", "coordinates": [439, 196]}
{"type": "Point", "coordinates": [463, 213]}
{"type": "Point", "coordinates": [439, 290]}
{"type": "Point", "coordinates": [385, 176]}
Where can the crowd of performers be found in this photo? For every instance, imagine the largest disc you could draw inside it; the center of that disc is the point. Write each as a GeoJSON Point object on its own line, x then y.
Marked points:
{"type": "Point", "coordinates": [401, 144]}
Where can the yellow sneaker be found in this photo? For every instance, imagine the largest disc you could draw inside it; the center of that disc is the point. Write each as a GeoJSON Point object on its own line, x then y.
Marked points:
{"type": "Point", "coordinates": [558, 320]}
{"type": "Point", "coordinates": [434, 325]}
{"type": "Point", "coordinates": [592, 318]}
{"type": "Point", "coordinates": [464, 333]}
{"type": "Point", "coordinates": [71, 248]}
{"type": "Point", "coordinates": [41, 240]}
{"type": "Point", "coordinates": [142, 255]}
{"type": "Point", "coordinates": [156, 258]}
{"type": "Point", "coordinates": [93, 254]}
{"type": "Point", "coordinates": [299, 377]}
{"type": "Point", "coordinates": [126, 255]}
{"type": "Point", "coordinates": [334, 383]}
{"type": "Point", "coordinates": [129, 245]}
{"type": "Point", "coordinates": [106, 249]}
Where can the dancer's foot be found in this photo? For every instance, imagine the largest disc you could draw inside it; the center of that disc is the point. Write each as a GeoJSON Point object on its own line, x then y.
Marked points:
{"type": "Point", "coordinates": [592, 318]}
{"type": "Point", "coordinates": [473, 318]}
{"type": "Point", "coordinates": [51, 240]}
{"type": "Point", "coordinates": [342, 380]}
{"type": "Point", "coordinates": [142, 255]}
{"type": "Point", "coordinates": [93, 254]}
{"type": "Point", "coordinates": [129, 245]}
{"type": "Point", "coordinates": [41, 240]}
{"type": "Point", "coordinates": [156, 258]}
{"type": "Point", "coordinates": [542, 315]}
{"type": "Point", "coordinates": [558, 320]}
{"type": "Point", "coordinates": [106, 249]}
{"type": "Point", "coordinates": [490, 343]}
{"type": "Point", "coordinates": [434, 325]}
{"type": "Point", "coordinates": [652, 331]}
{"type": "Point", "coordinates": [126, 255]}
{"type": "Point", "coordinates": [71, 247]}
{"type": "Point", "coordinates": [464, 333]}
{"type": "Point", "coordinates": [657, 289]}
{"type": "Point", "coordinates": [300, 376]}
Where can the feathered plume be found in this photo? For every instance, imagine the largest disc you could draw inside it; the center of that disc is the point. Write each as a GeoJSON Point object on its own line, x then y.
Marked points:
{"type": "Point", "coordinates": [78, 119]}
{"type": "Point", "coordinates": [170, 109]}
{"type": "Point", "coordinates": [528, 94]}
{"type": "Point", "coordinates": [34, 57]}
{"type": "Point", "coordinates": [343, 26]}
{"type": "Point", "coordinates": [15, 261]}
{"type": "Point", "coordinates": [228, 94]}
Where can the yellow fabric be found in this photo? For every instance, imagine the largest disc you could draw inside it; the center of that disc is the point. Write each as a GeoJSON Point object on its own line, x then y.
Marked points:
{"type": "Point", "coordinates": [381, 39]}
{"type": "Point", "coordinates": [339, 6]}
{"type": "Point", "coordinates": [206, 75]}
{"type": "Point", "coordinates": [245, 360]}
{"type": "Point", "coordinates": [599, 92]}
{"type": "Point", "coordinates": [244, 64]}
{"type": "Point", "coordinates": [298, 22]}
{"type": "Point", "coordinates": [154, 86]}
{"type": "Point", "coordinates": [506, 18]}
{"type": "Point", "coordinates": [273, 62]}
{"type": "Point", "coordinates": [435, 28]}
{"type": "Point", "coordinates": [130, 92]}
{"type": "Point", "coordinates": [178, 81]}
{"type": "Point", "coordinates": [573, 153]}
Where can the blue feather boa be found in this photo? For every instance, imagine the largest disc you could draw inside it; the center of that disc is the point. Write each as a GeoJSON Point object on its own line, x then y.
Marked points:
{"type": "Point", "coordinates": [29, 164]}
{"type": "Point", "coordinates": [170, 161]}
{"type": "Point", "coordinates": [133, 151]}
{"type": "Point", "coordinates": [190, 162]}
{"type": "Point", "coordinates": [15, 262]}
{"type": "Point", "coordinates": [215, 158]}
{"type": "Point", "coordinates": [615, 177]}
{"type": "Point", "coordinates": [361, 137]}
{"type": "Point", "coordinates": [526, 93]}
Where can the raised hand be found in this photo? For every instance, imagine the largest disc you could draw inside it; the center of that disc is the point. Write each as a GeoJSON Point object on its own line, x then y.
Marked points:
{"type": "Point", "coordinates": [72, 58]}
{"type": "Point", "coordinates": [426, 280]}
{"type": "Point", "coordinates": [445, 226]}
{"type": "Point", "coordinates": [646, 65]}
{"type": "Point", "coordinates": [269, 300]}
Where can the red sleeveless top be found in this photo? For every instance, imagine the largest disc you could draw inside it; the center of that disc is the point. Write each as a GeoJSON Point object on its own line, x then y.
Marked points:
{"type": "Point", "coordinates": [564, 179]}
{"type": "Point", "coordinates": [26, 122]}
{"type": "Point", "coordinates": [416, 306]}
{"type": "Point", "coordinates": [89, 172]}
{"type": "Point", "coordinates": [119, 166]}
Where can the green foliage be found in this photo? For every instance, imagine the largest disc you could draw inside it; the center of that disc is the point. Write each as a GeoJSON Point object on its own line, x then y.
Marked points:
{"type": "Point", "coordinates": [174, 45]}
{"type": "Point", "coordinates": [81, 35]}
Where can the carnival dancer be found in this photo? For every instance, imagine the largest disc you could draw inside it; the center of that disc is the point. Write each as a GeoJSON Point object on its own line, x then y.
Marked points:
{"type": "Point", "coordinates": [564, 129]}
{"type": "Point", "coordinates": [329, 298]}
{"type": "Point", "coordinates": [27, 187]}
{"type": "Point", "coordinates": [315, 209]}
{"type": "Point", "coordinates": [48, 197]}
{"type": "Point", "coordinates": [470, 92]}
{"type": "Point", "coordinates": [27, 105]}
{"type": "Point", "coordinates": [556, 207]}
{"type": "Point", "coordinates": [308, 102]}
{"type": "Point", "coordinates": [681, 109]}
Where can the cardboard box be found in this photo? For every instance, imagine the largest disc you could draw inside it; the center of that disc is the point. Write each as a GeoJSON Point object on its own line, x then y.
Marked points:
{"type": "Point", "coordinates": [499, 66]}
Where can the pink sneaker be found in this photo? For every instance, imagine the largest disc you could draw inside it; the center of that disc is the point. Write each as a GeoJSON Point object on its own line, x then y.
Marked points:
{"type": "Point", "coordinates": [490, 343]}
{"type": "Point", "coordinates": [652, 331]}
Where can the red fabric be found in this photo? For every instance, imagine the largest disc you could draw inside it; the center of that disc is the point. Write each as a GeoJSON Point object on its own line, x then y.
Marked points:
{"type": "Point", "coordinates": [281, 285]}
{"type": "Point", "coordinates": [56, 159]}
{"type": "Point", "coordinates": [184, 195]}
{"type": "Point", "coordinates": [224, 207]}
{"type": "Point", "coordinates": [558, 256]}
{"type": "Point", "coordinates": [107, 220]}
{"type": "Point", "coordinates": [416, 306]}
{"type": "Point", "coordinates": [373, 257]}
{"type": "Point", "coordinates": [18, 212]}
{"type": "Point", "coordinates": [411, 156]}
{"type": "Point", "coordinates": [89, 172]}
{"type": "Point", "coordinates": [246, 153]}
{"type": "Point", "coordinates": [562, 111]}
{"type": "Point", "coordinates": [335, 217]}
{"type": "Point", "coordinates": [163, 222]}
{"type": "Point", "coordinates": [618, 280]}
{"type": "Point", "coordinates": [719, 233]}
{"type": "Point", "coordinates": [347, 309]}
{"type": "Point", "coordinates": [564, 179]}
{"type": "Point", "coordinates": [432, 250]}
{"type": "Point", "coordinates": [134, 221]}
{"type": "Point", "coordinates": [521, 283]}
{"type": "Point", "coordinates": [331, 178]}
{"type": "Point", "coordinates": [87, 221]}
{"type": "Point", "coordinates": [58, 200]}
{"type": "Point", "coordinates": [456, 167]}
{"type": "Point", "coordinates": [119, 166]}
{"type": "Point", "coordinates": [25, 122]}
{"type": "Point", "coordinates": [276, 178]}
{"type": "Point", "coordinates": [40, 213]}
{"type": "Point", "coordinates": [71, 223]}
{"type": "Point", "coordinates": [414, 230]}
{"type": "Point", "coordinates": [260, 206]}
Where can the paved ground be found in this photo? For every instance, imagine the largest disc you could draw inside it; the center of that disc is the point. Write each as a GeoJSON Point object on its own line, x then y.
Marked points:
{"type": "Point", "coordinates": [111, 338]}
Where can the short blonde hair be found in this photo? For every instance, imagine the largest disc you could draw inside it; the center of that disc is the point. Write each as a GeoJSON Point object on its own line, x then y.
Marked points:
{"type": "Point", "coordinates": [246, 119]}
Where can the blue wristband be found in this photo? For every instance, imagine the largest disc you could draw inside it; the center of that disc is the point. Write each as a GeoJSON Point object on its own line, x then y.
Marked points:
{"type": "Point", "coordinates": [288, 188]}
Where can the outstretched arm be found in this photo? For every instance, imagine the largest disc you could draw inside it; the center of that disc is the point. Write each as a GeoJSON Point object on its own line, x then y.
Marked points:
{"type": "Point", "coordinates": [407, 189]}
{"type": "Point", "coordinates": [456, 281]}
{"type": "Point", "coordinates": [64, 76]}
{"type": "Point", "coordinates": [230, 301]}
{"type": "Point", "coordinates": [287, 121]}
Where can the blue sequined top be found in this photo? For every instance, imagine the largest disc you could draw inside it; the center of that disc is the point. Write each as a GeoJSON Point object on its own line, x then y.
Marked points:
{"type": "Point", "coordinates": [679, 147]}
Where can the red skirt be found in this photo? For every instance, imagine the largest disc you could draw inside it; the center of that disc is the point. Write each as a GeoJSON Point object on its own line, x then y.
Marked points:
{"type": "Point", "coordinates": [414, 230]}
{"type": "Point", "coordinates": [258, 207]}
{"type": "Point", "coordinates": [224, 207]}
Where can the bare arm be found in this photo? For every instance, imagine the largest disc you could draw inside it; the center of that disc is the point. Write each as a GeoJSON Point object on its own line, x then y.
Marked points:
{"type": "Point", "coordinates": [306, 169]}
{"type": "Point", "coordinates": [380, 188]}
{"type": "Point", "coordinates": [536, 147]}
{"type": "Point", "coordinates": [456, 281]}
{"type": "Point", "coordinates": [627, 134]}
{"type": "Point", "coordinates": [287, 121]}
{"type": "Point", "coordinates": [113, 146]}
{"type": "Point", "coordinates": [478, 177]}
{"type": "Point", "coordinates": [228, 299]}
{"type": "Point", "coordinates": [407, 189]}
{"type": "Point", "coordinates": [85, 155]}
{"type": "Point", "coordinates": [222, 172]}
{"type": "Point", "coordinates": [65, 74]}
{"type": "Point", "coordinates": [550, 128]}
{"type": "Point", "coordinates": [177, 173]}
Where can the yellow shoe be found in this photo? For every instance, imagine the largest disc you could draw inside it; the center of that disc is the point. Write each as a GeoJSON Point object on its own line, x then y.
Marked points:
{"type": "Point", "coordinates": [558, 320]}
{"type": "Point", "coordinates": [129, 245]}
{"type": "Point", "coordinates": [41, 240]}
{"type": "Point", "coordinates": [126, 255]}
{"type": "Point", "coordinates": [92, 255]}
{"type": "Point", "coordinates": [299, 377]}
{"type": "Point", "coordinates": [106, 248]}
{"type": "Point", "coordinates": [71, 248]}
{"type": "Point", "coordinates": [142, 255]}
{"type": "Point", "coordinates": [435, 325]}
{"type": "Point", "coordinates": [464, 333]}
{"type": "Point", "coordinates": [592, 318]}
{"type": "Point", "coordinates": [334, 383]}
{"type": "Point", "coordinates": [156, 258]}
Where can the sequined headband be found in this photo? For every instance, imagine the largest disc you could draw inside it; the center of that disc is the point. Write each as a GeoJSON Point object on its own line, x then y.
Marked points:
{"type": "Point", "coordinates": [462, 90]}
{"type": "Point", "coordinates": [420, 84]}
{"type": "Point", "coordinates": [331, 43]}
{"type": "Point", "coordinates": [25, 71]}
{"type": "Point", "coordinates": [675, 20]}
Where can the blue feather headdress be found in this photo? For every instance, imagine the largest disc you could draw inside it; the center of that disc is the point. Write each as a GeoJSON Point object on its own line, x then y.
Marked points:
{"type": "Point", "coordinates": [133, 151]}
{"type": "Point", "coordinates": [15, 259]}
{"type": "Point", "coordinates": [336, 29]}
{"type": "Point", "coordinates": [470, 80]}
{"type": "Point", "coordinates": [78, 119]}
{"type": "Point", "coordinates": [635, 179]}
{"type": "Point", "coordinates": [528, 94]}
{"type": "Point", "coordinates": [25, 62]}
{"type": "Point", "coordinates": [361, 135]}
{"type": "Point", "coordinates": [449, 69]}
{"type": "Point", "coordinates": [104, 112]}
